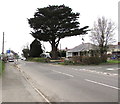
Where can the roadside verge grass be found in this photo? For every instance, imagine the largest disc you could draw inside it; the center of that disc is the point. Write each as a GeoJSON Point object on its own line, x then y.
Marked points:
{"type": "Point", "coordinates": [2, 66]}
{"type": "Point", "coordinates": [113, 61]}
{"type": "Point", "coordinates": [43, 60]}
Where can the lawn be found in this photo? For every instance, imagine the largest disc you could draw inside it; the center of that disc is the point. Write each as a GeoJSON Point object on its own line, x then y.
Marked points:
{"type": "Point", "coordinates": [113, 61]}
{"type": "Point", "coordinates": [2, 66]}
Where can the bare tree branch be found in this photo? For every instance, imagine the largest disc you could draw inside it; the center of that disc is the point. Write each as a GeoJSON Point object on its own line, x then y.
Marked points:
{"type": "Point", "coordinates": [102, 33]}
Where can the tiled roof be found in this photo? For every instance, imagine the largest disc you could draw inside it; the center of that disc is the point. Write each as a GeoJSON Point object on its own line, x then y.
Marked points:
{"type": "Point", "coordinates": [83, 47]}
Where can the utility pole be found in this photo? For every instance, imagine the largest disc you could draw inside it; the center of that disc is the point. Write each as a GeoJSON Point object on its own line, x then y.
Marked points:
{"type": "Point", "coordinates": [3, 44]}
{"type": "Point", "coordinates": [3, 48]}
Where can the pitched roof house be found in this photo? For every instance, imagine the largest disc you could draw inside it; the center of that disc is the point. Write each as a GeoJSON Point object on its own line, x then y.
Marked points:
{"type": "Point", "coordinates": [76, 51]}
{"type": "Point", "coordinates": [81, 48]}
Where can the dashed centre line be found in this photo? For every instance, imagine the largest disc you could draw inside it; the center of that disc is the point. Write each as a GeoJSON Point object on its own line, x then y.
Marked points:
{"type": "Point", "coordinates": [99, 72]}
{"type": "Point", "coordinates": [102, 84]}
{"type": "Point", "coordinates": [63, 73]}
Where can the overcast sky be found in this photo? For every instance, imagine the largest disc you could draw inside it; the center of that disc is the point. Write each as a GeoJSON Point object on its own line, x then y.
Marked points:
{"type": "Point", "coordinates": [14, 14]}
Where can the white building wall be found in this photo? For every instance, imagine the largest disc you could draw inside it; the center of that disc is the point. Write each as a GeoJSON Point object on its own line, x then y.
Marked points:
{"type": "Point", "coordinates": [68, 54]}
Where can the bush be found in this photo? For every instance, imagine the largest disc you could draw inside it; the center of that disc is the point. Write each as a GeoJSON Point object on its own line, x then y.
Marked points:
{"type": "Point", "coordinates": [86, 60]}
{"type": "Point", "coordinates": [91, 60]}
{"type": "Point", "coordinates": [104, 58]}
{"type": "Point", "coordinates": [68, 62]}
{"type": "Point", "coordinates": [77, 59]}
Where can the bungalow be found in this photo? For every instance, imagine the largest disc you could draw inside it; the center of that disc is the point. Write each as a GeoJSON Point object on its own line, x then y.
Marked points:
{"type": "Point", "coordinates": [86, 48]}
{"type": "Point", "coordinates": [78, 50]}
{"type": "Point", "coordinates": [114, 50]}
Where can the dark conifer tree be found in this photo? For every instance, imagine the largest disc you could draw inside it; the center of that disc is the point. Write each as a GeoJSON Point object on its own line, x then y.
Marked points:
{"type": "Point", "coordinates": [53, 23]}
{"type": "Point", "coordinates": [35, 49]}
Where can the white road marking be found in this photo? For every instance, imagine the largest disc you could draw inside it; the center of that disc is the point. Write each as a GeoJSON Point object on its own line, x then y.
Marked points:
{"type": "Point", "coordinates": [110, 69]}
{"type": "Point", "coordinates": [41, 94]}
{"type": "Point", "coordinates": [103, 84]}
{"type": "Point", "coordinates": [98, 72]}
{"type": "Point", "coordinates": [37, 90]}
{"type": "Point", "coordinates": [63, 73]}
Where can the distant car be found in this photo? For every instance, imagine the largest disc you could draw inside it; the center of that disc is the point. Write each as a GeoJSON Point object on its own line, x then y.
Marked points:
{"type": "Point", "coordinates": [45, 55]}
{"type": "Point", "coordinates": [10, 59]}
{"type": "Point", "coordinates": [23, 58]}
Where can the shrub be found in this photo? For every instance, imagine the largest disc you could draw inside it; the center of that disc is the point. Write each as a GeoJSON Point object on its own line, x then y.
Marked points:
{"type": "Point", "coordinates": [77, 59]}
{"type": "Point", "coordinates": [104, 58]}
{"type": "Point", "coordinates": [91, 60]}
{"type": "Point", "coordinates": [86, 60]}
{"type": "Point", "coordinates": [68, 62]}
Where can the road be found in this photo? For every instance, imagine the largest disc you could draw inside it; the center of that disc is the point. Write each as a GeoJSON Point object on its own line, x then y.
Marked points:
{"type": "Point", "coordinates": [73, 83]}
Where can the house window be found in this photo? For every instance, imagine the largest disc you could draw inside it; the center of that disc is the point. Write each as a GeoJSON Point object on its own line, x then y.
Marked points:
{"type": "Point", "coordinates": [75, 53]}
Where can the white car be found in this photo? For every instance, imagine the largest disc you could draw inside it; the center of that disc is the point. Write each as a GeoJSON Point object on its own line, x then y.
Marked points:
{"type": "Point", "coordinates": [45, 55]}
{"type": "Point", "coordinates": [10, 59]}
{"type": "Point", "coordinates": [23, 58]}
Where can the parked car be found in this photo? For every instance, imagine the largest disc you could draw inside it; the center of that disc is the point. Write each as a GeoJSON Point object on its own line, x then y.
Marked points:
{"type": "Point", "coordinates": [10, 59]}
{"type": "Point", "coordinates": [45, 55]}
{"type": "Point", "coordinates": [23, 58]}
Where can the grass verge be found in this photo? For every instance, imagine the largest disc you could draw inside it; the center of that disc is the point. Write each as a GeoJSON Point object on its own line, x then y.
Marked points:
{"type": "Point", "coordinates": [43, 60]}
{"type": "Point", "coordinates": [113, 61]}
{"type": "Point", "coordinates": [2, 66]}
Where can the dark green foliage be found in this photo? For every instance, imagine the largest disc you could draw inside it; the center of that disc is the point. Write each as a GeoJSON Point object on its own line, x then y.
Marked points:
{"type": "Point", "coordinates": [35, 49]}
{"type": "Point", "coordinates": [62, 53]}
{"type": "Point", "coordinates": [26, 53]}
{"type": "Point", "coordinates": [53, 23]}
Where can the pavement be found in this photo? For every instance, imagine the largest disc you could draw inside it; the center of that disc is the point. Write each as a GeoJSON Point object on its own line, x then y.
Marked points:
{"type": "Point", "coordinates": [15, 88]}
{"type": "Point", "coordinates": [73, 83]}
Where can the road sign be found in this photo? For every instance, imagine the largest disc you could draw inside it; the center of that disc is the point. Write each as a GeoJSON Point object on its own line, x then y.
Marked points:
{"type": "Point", "coordinates": [8, 51]}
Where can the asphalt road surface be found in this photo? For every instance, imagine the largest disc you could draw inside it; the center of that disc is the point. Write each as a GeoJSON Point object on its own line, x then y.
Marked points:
{"type": "Point", "coordinates": [60, 83]}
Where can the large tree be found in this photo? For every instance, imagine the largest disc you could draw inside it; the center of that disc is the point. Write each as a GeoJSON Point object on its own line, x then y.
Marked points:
{"type": "Point", "coordinates": [102, 34]}
{"type": "Point", "coordinates": [53, 23]}
{"type": "Point", "coordinates": [35, 48]}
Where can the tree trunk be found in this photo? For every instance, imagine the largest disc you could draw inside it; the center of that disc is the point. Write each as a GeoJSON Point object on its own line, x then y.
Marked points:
{"type": "Point", "coordinates": [103, 53]}
{"type": "Point", "coordinates": [54, 51]}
